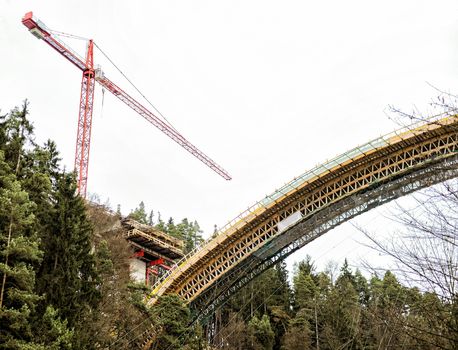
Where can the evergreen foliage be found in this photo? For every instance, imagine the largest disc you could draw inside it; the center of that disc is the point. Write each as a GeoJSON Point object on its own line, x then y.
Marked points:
{"type": "Point", "coordinates": [19, 244]}
{"type": "Point", "coordinates": [53, 331]}
{"type": "Point", "coordinates": [262, 332]}
{"type": "Point", "coordinates": [187, 231]}
{"type": "Point", "coordinates": [49, 283]}
{"type": "Point", "coordinates": [172, 318]}
{"type": "Point", "coordinates": [64, 282]}
{"type": "Point", "coordinates": [68, 278]}
{"type": "Point", "coordinates": [139, 214]}
{"type": "Point", "coordinates": [349, 313]}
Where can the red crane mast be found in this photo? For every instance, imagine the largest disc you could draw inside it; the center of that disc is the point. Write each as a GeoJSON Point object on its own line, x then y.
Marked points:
{"type": "Point", "coordinates": [89, 77]}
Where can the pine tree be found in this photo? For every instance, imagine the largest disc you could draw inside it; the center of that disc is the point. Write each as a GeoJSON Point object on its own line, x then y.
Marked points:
{"type": "Point", "coordinates": [19, 250]}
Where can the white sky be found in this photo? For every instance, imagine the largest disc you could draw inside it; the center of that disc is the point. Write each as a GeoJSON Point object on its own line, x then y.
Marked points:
{"type": "Point", "coordinates": [267, 89]}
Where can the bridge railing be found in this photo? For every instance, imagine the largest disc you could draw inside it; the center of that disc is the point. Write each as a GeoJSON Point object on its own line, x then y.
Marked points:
{"type": "Point", "coordinates": [317, 171]}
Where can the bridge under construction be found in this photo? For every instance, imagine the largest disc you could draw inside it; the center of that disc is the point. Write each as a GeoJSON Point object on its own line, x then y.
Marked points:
{"type": "Point", "coordinates": [310, 205]}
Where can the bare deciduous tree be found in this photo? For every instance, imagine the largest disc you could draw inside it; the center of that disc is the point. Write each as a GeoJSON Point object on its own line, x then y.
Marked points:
{"type": "Point", "coordinates": [424, 242]}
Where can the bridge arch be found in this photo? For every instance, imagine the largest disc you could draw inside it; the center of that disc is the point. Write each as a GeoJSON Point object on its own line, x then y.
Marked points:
{"type": "Point", "coordinates": [363, 178]}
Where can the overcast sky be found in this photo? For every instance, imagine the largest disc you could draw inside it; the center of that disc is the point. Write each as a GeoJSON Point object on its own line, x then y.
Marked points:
{"type": "Point", "coordinates": [268, 89]}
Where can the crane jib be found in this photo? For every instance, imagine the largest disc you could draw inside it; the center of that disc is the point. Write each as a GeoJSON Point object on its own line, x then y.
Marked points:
{"type": "Point", "coordinates": [41, 31]}
{"type": "Point", "coordinates": [151, 117]}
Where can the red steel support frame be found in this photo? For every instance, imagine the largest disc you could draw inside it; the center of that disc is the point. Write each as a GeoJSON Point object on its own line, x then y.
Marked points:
{"type": "Point", "coordinates": [83, 136]}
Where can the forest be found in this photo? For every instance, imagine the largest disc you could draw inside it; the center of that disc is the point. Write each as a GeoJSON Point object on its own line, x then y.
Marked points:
{"type": "Point", "coordinates": [65, 279]}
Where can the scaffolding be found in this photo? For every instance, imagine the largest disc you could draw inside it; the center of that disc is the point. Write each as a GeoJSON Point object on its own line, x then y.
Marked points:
{"type": "Point", "coordinates": [155, 252]}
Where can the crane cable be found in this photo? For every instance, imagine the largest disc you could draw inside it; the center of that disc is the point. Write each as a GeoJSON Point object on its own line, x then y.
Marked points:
{"type": "Point", "coordinates": [133, 85]}
{"type": "Point", "coordinates": [56, 32]}
{"type": "Point", "coordinates": [71, 36]}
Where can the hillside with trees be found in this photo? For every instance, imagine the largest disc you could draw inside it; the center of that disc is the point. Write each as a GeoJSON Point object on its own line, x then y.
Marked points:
{"type": "Point", "coordinates": [322, 310]}
{"type": "Point", "coordinates": [65, 284]}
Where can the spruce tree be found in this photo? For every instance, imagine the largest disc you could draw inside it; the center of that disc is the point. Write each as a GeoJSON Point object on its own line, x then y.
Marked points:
{"type": "Point", "coordinates": [298, 336]}
{"type": "Point", "coordinates": [172, 318]}
{"type": "Point", "coordinates": [139, 214]}
{"type": "Point", "coordinates": [262, 332]}
{"type": "Point", "coordinates": [151, 218]}
{"type": "Point", "coordinates": [68, 278]}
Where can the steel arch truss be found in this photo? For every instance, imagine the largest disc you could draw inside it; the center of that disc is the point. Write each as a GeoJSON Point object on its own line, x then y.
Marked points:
{"type": "Point", "coordinates": [297, 236]}
{"type": "Point", "coordinates": [389, 168]}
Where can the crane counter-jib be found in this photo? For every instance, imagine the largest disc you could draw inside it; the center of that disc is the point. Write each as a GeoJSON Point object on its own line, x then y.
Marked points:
{"type": "Point", "coordinates": [41, 31]}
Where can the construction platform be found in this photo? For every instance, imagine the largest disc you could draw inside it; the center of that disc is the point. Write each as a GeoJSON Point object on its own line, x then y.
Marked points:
{"type": "Point", "coordinates": [155, 252]}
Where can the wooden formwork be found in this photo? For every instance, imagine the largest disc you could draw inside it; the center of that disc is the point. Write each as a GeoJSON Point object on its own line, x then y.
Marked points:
{"type": "Point", "coordinates": [383, 160]}
{"type": "Point", "coordinates": [297, 236]}
{"type": "Point", "coordinates": [152, 240]}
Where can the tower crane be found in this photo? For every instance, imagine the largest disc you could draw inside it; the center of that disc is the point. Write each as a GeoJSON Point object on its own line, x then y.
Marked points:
{"type": "Point", "coordinates": [90, 75]}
